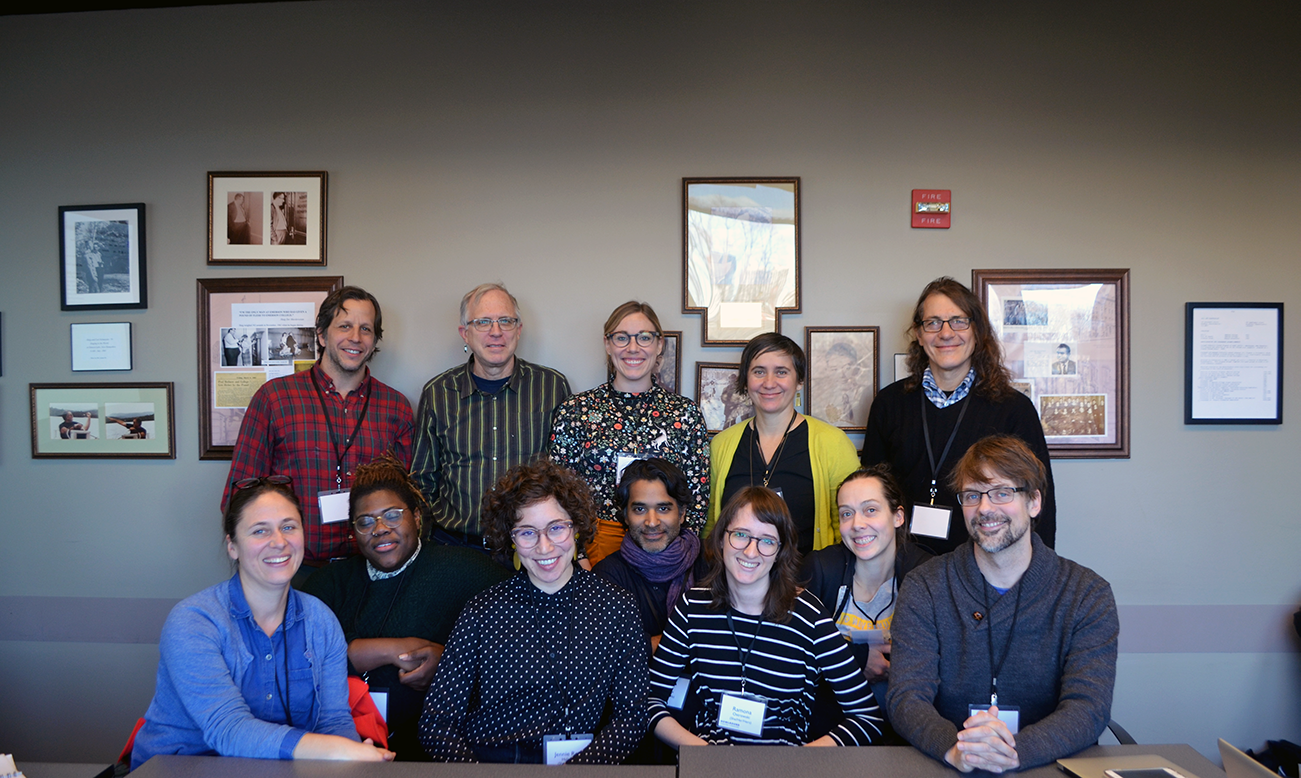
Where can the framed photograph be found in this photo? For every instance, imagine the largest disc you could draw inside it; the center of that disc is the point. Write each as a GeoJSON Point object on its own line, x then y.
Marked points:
{"type": "Point", "coordinates": [110, 421]}
{"type": "Point", "coordinates": [266, 218]}
{"type": "Point", "coordinates": [740, 255]}
{"type": "Point", "coordinates": [842, 377]}
{"type": "Point", "coordinates": [102, 257]}
{"type": "Point", "coordinates": [251, 330]}
{"type": "Point", "coordinates": [671, 361]}
{"type": "Point", "coordinates": [1233, 363]}
{"type": "Point", "coordinates": [716, 392]}
{"type": "Point", "coordinates": [1065, 338]}
{"type": "Point", "coordinates": [101, 346]}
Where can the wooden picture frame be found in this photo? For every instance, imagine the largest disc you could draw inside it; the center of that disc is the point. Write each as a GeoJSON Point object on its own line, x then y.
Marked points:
{"type": "Point", "coordinates": [102, 257]}
{"type": "Point", "coordinates": [251, 330]}
{"type": "Point", "coordinates": [1233, 363]}
{"type": "Point", "coordinates": [276, 218]}
{"type": "Point", "coordinates": [740, 255]}
{"type": "Point", "coordinates": [103, 421]}
{"type": "Point", "coordinates": [669, 371]}
{"type": "Point", "coordinates": [843, 377]}
{"type": "Point", "coordinates": [1065, 339]}
{"type": "Point", "coordinates": [715, 392]}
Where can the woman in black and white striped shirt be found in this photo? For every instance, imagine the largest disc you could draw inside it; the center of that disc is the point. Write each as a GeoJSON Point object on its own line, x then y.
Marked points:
{"type": "Point", "coordinates": [749, 647]}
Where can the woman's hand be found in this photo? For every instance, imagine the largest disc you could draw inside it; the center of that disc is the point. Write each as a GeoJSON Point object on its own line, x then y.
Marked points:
{"type": "Point", "coordinates": [317, 746]}
{"type": "Point", "coordinates": [878, 663]}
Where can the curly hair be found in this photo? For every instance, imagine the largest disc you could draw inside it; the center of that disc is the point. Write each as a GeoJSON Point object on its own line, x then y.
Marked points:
{"type": "Point", "coordinates": [890, 489]}
{"type": "Point", "coordinates": [528, 484]}
{"type": "Point", "coordinates": [783, 579]}
{"type": "Point", "coordinates": [386, 473]}
{"type": "Point", "coordinates": [993, 381]}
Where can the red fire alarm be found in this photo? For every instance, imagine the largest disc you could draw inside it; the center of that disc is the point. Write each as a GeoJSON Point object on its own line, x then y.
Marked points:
{"type": "Point", "coordinates": [931, 208]}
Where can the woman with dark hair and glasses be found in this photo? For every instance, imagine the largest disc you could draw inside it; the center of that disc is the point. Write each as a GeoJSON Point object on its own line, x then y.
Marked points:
{"type": "Point", "coordinates": [858, 578]}
{"type": "Point", "coordinates": [957, 392]}
{"type": "Point", "coordinates": [250, 667]}
{"type": "Point", "coordinates": [398, 601]}
{"type": "Point", "coordinates": [549, 666]}
{"type": "Point", "coordinates": [750, 647]}
{"type": "Point", "coordinates": [598, 432]}
{"type": "Point", "coordinates": [799, 457]}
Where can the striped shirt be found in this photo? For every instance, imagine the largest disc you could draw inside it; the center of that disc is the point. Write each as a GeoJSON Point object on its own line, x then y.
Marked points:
{"type": "Point", "coordinates": [784, 667]}
{"type": "Point", "coordinates": [467, 439]}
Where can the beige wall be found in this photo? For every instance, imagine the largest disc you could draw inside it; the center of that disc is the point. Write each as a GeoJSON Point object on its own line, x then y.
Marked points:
{"type": "Point", "coordinates": [543, 144]}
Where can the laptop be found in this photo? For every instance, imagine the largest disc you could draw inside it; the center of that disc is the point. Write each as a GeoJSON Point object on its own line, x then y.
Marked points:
{"type": "Point", "coordinates": [1097, 766]}
{"type": "Point", "coordinates": [1239, 765]}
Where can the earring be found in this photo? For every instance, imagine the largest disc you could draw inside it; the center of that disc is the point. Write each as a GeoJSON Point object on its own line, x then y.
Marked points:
{"type": "Point", "coordinates": [466, 347]}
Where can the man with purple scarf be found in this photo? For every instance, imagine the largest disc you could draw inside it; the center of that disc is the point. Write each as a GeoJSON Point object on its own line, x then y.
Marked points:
{"type": "Point", "coordinates": [657, 560]}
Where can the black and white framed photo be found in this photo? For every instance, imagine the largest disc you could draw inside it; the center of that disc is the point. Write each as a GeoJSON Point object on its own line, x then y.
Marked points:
{"type": "Point", "coordinates": [842, 378]}
{"type": "Point", "coordinates": [267, 218]}
{"type": "Point", "coordinates": [102, 257]}
{"type": "Point", "coordinates": [1233, 363]}
{"type": "Point", "coordinates": [720, 403]}
{"type": "Point", "coordinates": [101, 346]}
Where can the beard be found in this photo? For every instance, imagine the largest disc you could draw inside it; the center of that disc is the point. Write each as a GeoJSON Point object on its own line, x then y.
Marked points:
{"type": "Point", "coordinates": [1007, 535]}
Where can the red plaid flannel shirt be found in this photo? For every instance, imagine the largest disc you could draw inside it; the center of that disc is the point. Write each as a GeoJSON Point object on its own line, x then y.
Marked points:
{"type": "Point", "coordinates": [284, 433]}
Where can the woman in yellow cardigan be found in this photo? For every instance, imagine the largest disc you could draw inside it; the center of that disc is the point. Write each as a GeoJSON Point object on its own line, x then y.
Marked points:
{"type": "Point", "coordinates": [797, 456]}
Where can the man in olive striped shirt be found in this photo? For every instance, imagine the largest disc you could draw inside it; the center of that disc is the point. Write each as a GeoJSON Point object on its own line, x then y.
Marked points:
{"type": "Point", "coordinates": [479, 419]}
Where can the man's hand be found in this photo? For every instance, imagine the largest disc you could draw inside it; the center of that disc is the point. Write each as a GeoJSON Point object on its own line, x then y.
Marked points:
{"type": "Point", "coordinates": [985, 743]}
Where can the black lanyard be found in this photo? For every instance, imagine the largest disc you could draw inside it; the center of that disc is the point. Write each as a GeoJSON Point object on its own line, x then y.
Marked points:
{"type": "Point", "coordinates": [926, 432]}
{"type": "Point", "coordinates": [329, 427]}
{"type": "Point", "coordinates": [744, 655]}
{"type": "Point", "coordinates": [1007, 647]}
{"type": "Point", "coordinates": [849, 598]}
{"type": "Point", "coordinates": [771, 467]}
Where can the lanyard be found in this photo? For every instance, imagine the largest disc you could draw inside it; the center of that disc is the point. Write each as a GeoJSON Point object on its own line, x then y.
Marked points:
{"type": "Point", "coordinates": [1007, 647]}
{"type": "Point", "coordinates": [744, 655]}
{"type": "Point", "coordinates": [329, 427]}
{"type": "Point", "coordinates": [771, 467]}
{"type": "Point", "coordinates": [930, 452]}
{"type": "Point", "coordinates": [849, 598]}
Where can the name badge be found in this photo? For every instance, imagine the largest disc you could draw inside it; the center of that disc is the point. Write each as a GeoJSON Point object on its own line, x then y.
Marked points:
{"type": "Point", "coordinates": [558, 749]}
{"type": "Point", "coordinates": [334, 505]}
{"type": "Point", "coordinates": [742, 713]}
{"type": "Point", "coordinates": [1008, 714]}
{"type": "Point", "coordinates": [931, 521]}
{"type": "Point", "coordinates": [621, 463]}
{"type": "Point", "coordinates": [380, 698]}
{"type": "Point", "coordinates": [679, 696]}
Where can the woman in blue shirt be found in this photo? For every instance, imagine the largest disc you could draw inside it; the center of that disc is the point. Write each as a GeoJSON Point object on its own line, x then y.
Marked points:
{"type": "Point", "coordinates": [250, 667]}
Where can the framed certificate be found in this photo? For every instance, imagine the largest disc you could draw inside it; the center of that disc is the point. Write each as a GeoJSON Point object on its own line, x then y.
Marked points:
{"type": "Point", "coordinates": [1233, 363]}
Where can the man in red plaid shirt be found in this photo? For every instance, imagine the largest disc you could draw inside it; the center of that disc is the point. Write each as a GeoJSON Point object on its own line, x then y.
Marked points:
{"type": "Point", "coordinates": [317, 426]}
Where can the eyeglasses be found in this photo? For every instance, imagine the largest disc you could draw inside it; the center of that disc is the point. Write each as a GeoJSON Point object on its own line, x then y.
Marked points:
{"type": "Point", "coordinates": [740, 540]}
{"type": "Point", "coordinates": [249, 483]}
{"type": "Point", "coordinates": [957, 324]}
{"type": "Point", "coordinates": [365, 524]}
{"type": "Point", "coordinates": [999, 495]}
{"type": "Point", "coordinates": [528, 537]}
{"type": "Point", "coordinates": [507, 323]}
{"type": "Point", "coordinates": [643, 338]}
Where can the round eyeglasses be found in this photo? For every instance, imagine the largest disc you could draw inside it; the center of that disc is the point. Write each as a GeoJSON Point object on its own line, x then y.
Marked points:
{"type": "Point", "coordinates": [249, 483]}
{"type": "Point", "coordinates": [645, 338]}
{"type": "Point", "coordinates": [999, 495]}
{"type": "Point", "coordinates": [957, 324]}
{"type": "Point", "coordinates": [507, 323]}
{"type": "Point", "coordinates": [528, 537]}
{"type": "Point", "coordinates": [365, 524]}
{"type": "Point", "coordinates": [740, 540]}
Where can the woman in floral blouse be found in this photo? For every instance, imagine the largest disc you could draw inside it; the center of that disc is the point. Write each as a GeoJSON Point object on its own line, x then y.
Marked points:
{"type": "Point", "coordinates": [598, 432]}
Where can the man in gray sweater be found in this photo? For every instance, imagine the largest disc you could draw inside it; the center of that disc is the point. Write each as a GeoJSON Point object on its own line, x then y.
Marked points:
{"type": "Point", "coordinates": [1004, 653]}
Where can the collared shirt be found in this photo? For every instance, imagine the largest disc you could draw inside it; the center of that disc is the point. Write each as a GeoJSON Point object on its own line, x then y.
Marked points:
{"type": "Point", "coordinates": [937, 396]}
{"type": "Point", "coordinates": [466, 439]}
{"type": "Point", "coordinates": [594, 428]}
{"type": "Point", "coordinates": [285, 433]}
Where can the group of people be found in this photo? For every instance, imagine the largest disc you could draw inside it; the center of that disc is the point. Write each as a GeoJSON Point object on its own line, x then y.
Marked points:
{"type": "Point", "coordinates": [523, 574]}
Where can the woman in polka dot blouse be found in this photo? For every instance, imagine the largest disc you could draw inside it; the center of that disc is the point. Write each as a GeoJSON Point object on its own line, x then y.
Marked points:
{"type": "Point", "coordinates": [535, 661]}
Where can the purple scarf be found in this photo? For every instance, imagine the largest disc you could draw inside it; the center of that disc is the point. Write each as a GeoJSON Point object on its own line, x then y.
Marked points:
{"type": "Point", "coordinates": [667, 565]}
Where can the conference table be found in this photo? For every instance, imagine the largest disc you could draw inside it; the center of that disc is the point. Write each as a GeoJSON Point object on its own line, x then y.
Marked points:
{"type": "Point", "coordinates": [717, 762]}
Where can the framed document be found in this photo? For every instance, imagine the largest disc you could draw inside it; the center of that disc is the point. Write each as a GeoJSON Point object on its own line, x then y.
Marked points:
{"type": "Point", "coordinates": [101, 346]}
{"type": "Point", "coordinates": [103, 421]}
{"type": "Point", "coordinates": [251, 330]}
{"type": "Point", "coordinates": [740, 255]}
{"type": "Point", "coordinates": [1233, 363]}
{"type": "Point", "coordinates": [1065, 338]}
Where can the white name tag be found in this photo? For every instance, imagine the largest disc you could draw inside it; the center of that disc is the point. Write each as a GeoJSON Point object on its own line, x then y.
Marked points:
{"type": "Point", "coordinates": [334, 505]}
{"type": "Point", "coordinates": [558, 749]}
{"type": "Point", "coordinates": [679, 696]}
{"type": "Point", "coordinates": [742, 713]}
{"type": "Point", "coordinates": [1009, 715]}
{"type": "Point", "coordinates": [931, 521]}
{"type": "Point", "coordinates": [380, 698]}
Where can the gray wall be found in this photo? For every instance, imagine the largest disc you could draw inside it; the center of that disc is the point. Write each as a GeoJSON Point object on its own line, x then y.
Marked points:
{"type": "Point", "coordinates": [542, 144]}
